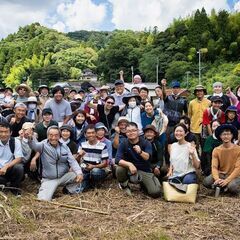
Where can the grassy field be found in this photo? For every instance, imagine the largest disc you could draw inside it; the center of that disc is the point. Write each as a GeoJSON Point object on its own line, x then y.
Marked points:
{"type": "Point", "coordinates": [109, 214]}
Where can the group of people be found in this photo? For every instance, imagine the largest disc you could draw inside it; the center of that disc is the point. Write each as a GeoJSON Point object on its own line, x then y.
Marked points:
{"type": "Point", "coordinates": [76, 138]}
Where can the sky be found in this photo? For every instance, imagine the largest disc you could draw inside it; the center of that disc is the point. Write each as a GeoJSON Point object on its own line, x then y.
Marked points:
{"type": "Point", "coordinates": [73, 15]}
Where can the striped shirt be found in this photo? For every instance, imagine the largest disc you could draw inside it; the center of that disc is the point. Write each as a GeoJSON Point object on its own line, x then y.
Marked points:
{"type": "Point", "coordinates": [95, 154]}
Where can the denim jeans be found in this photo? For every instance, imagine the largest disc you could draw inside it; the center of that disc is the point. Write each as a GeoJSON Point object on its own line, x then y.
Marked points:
{"type": "Point", "coordinates": [189, 178]}
{"type": "Point", "coordinates": [90, 178]}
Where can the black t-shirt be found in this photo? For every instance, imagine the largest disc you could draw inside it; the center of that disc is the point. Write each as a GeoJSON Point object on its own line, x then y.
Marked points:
{"type": "Point", "coordinates": [16, 127]}
{"type": "Point", "coordinates": [107, 120]}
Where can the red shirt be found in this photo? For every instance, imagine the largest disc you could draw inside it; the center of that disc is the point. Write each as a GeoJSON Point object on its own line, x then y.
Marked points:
{"type": "Point", "coordinates": [208, 117]}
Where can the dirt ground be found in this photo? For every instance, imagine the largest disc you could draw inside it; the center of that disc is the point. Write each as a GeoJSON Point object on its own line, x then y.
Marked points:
{"type": "Point", "coordinates": [117, 216]}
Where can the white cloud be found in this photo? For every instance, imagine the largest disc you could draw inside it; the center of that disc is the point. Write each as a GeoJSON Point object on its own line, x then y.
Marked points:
{"type": "Point", "coordinates": [237, 6]}
{"type": "Point", "coordinates": [59, 26]}
{"type": "Point", "coordinates": [138, 14]}
{"type": "Point", "coordinates": [14, 15]}
{"type": "Point", "coordinates": [81, 14]}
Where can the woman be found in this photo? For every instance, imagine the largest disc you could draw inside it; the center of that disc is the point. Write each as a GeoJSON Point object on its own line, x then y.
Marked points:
{"type": "Point", "coordinates": [107, 112]}
{"type": "Point", "coordinates": [132, 110]}
{"type": "Point", "coordinates": [159, 102]}
{"type": "Point", "coordinates": [183, 158]}
{"type": "Point", "coordinates": [79, 125]}
{"type": "Point", "coordinates": [67, 138]}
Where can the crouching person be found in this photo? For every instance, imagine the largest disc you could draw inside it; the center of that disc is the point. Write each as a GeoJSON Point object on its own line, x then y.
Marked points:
{"type": "Point", "coordinates": [134, 165]}
{"type": "Point", "coordinates": [225, 161]}
{"type": "Point", "coordinates": [10, 158]}
{"type": "Point", "coordinates": [56, 160]}
{"type": "Point", "coordinates": [93, 155]}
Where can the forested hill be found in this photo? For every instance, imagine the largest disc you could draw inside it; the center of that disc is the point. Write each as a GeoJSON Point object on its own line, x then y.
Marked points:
{"type": "Point", "coordinates": [37, 52]}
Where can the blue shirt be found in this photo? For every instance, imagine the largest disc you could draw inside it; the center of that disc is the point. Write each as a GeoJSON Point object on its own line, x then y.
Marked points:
{"type": "Point", "coordinates": [146, 119]}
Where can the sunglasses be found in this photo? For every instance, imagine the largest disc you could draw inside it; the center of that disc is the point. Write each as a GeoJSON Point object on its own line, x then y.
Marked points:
{"type": "Point", "coordinates": [110, 103]}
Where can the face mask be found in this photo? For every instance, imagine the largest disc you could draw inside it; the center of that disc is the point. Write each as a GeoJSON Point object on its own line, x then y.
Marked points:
{"type": "Point", "coordinates": [2, 95]}
{"type": "Point", "coordinates": [32, 106]}
{"type": "Point", "coordinates": [132, 104]}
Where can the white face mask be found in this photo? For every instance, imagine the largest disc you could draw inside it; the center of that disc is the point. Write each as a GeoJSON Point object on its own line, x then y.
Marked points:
{"type": "Point", "coordinates": [2, 95]}
{"type": "Point", "coordinates": [132, 104]}
{"type": "Point", "coordinates": [32, 105]}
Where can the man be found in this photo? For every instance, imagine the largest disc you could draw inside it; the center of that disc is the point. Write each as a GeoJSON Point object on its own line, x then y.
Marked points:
{"type": "Point", "coordinates": [94, 158]}
{"type": "Point", "coordinates": [144, 94]}
{"type": "Point", "coordinates": [56, 160]}
{"type": "Point", "coordinates": [218, 91]}
{"type": "Point", "coordinates": [10, 158]}
{"type": "Point", "coordinates": [157, 162]}
{"type": "Point", "coordinates": [119, 93]}
{"type": "Point", "coordinates": [60, 107]}
{"type": "Point", "coordinates": [134, 165]}
{"type": "Point", "coordinates": [174, 105]}
{"type": "Point", "coordinates": [18, 118]}
{"type": "Point", "coordinates": [195, 112]}
{"type": "Point", "coordinates": [42, 127]}
{"type": "Point", "coordinates": [225, 161]}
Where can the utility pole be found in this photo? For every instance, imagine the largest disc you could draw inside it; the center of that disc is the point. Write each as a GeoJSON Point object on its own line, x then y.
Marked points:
{"type": "Point", "coordinates": [132, 73]}
{"type": "Point", "coordinates": [157, 70]}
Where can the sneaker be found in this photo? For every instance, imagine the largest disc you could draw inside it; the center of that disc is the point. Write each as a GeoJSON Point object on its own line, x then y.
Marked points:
{"type": "Point", "coordinates": [126, 190]}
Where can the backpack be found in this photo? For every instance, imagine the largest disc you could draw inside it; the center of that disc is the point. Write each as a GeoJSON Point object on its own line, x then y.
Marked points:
{"type": "Point", "coordinates": [12, 144]}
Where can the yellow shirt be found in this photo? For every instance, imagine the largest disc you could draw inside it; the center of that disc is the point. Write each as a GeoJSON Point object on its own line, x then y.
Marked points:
{"type": "Point", "coordinates": [195, 113]}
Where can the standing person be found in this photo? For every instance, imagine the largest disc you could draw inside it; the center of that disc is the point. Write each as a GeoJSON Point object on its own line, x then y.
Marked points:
{"type": "Point", "coordinates": [212, 113]}
{"type": "Point", "coordinates": [235, 99]}
{"type": "Point", "coordinates": [33, 112]}
{"type": "Point", "coordinates": [134, 165]}
{"type": "Point", "coordinates": [42, 127]}
{"type": "Point", "coordinates": [60, 107]}
{"type": "Point", "coordinates": [18, 118]}
{"type": "Point", "coordinates": [93, 155]}
{"type": "Point", "coordinates": [225, 161]}
{"type": "Point", "coordinates": [159, 101]}
{"type": "Point", "coordinates": [132, 110]}
{"type": "Point", "coordinates": [10, 158]}
{"type": "Point", "coordinates": [23, 91]}
{"type": "Point", "coordinates": [43, 91]}
{"type": "Point", "coordinates": [218, 91]}
{"type": "Point", "coordinates": [107, 112]}
{"type": "Point", "coordinates": [174, 105]}
{"type": "Point", "coordinates": [56, 160]}
{"type": "Point", "coordinates": [119, 93]}
{"type": "Point", "coordinates": [183, 158]}
{"type": "Point", "coordinates": [195, 112]}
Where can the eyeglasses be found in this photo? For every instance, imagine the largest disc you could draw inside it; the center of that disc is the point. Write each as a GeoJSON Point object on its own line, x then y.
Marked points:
{"type": "Point", "coordinates": [110, 103]}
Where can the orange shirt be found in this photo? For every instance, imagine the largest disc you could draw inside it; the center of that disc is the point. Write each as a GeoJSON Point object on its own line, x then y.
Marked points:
{"type": "Point", "coordinates": [227, 161]}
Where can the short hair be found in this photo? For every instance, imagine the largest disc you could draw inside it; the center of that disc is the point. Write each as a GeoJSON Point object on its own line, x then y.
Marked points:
{"type": "Point", "coordinates": [110, 97]}
{"type": "Point", "coordinates": [158, 87]}
{"type": "Point", "coordinates": [5, 124]}
{"type": "Point", "coordinates": [77, 112]}
{"type": "Point", "coordinates": [137, 88]}
{"type": "Point", "coordinates": [58, 88]}
{"type": "Point", "coordinates": [186, 119]}
{"type": "Point", "coordinates": [181, 125]}
{"type": "Point", "coordinates": [55, 127]}
{"type": "Point", "coordinates": [144, 89]}
{"type": "Point", "coordinates": [215, 120]}
{"type": "Point", "coordinates": [132, 124]}
{"type": "Point", "coordinates": [90, 126]}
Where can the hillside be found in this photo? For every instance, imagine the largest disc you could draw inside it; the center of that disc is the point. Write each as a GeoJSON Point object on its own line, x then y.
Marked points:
{"type": "Point", "coordinates": [41, 54]}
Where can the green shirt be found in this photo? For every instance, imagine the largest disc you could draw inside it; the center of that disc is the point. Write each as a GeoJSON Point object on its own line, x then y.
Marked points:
{"type": "Point", "coordinates": [41, 130]}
